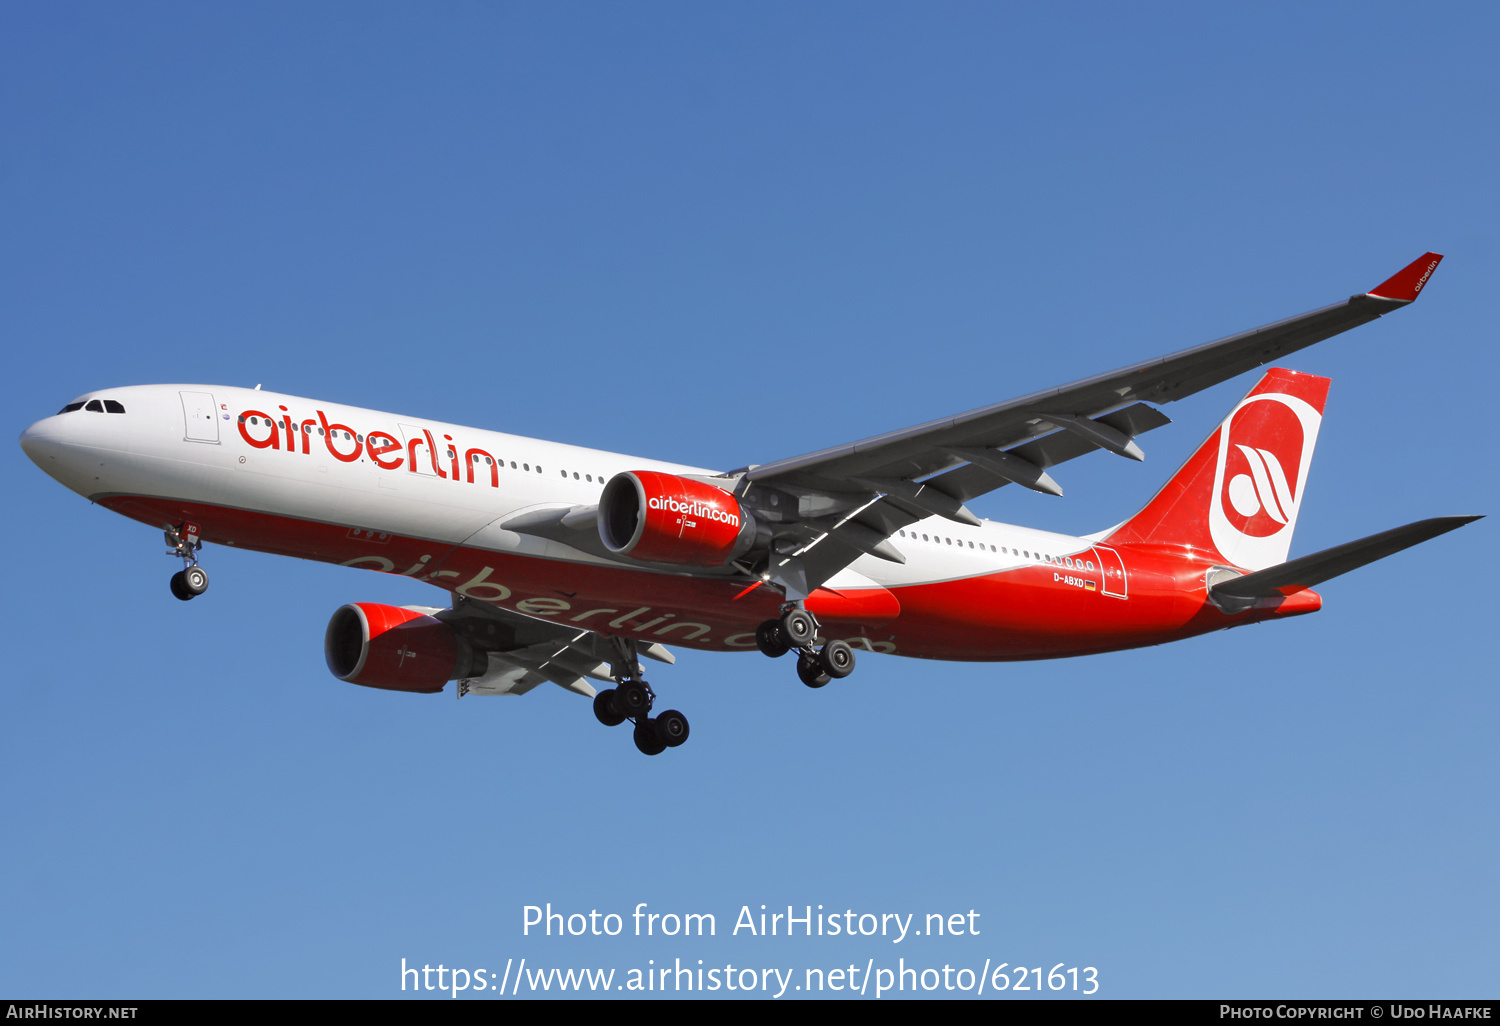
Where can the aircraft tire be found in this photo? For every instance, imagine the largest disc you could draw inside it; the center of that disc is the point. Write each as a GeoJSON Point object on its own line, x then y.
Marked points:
{"type": "Point", "coordinates": [632, 699]}
{"type": "Point", "coordinates": [646, 738]}
{"type": "Point", "coordinates": [837, 659]}
{"type": "Point", "coordinates": [179, 587]}
{"type": "Point", "coordinates": [798, 628]}
{"type": "Point", "coordinates": [195, 579]}
{"type": "Point", "coordinates": [769, 639]}
{"type": "Point", "coordinates": [604, 708]}
{"type": "Point", "coordinates": [671, 727]}
{"type": "Point", "coordinates": [811, 670]}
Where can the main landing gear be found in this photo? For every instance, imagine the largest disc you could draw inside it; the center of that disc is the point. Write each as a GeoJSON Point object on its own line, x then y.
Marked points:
{"type": "Point", "coordinates": [192, 580]}
{"type": "Point", "coordinates": [798, 629]}
{"type": "Point", "coordinates": [631, 699]}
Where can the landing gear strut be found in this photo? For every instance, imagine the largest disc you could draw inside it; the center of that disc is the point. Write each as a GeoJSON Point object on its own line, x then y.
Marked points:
{"type": "Point", "coordinates": [631, 699]}
{"type": "Point", "coordinates": [797, 629]}
{"type": "Point", "coordinates": [192, 580]}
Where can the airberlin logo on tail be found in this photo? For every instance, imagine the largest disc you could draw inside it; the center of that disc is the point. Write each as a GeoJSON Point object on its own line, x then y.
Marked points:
{"type": "Point", "coordinates": [693, 509]}
{"type": "Point", "coordinates": [1265, 448]}
{"type": "Point", "coordinates": [1264, 489]}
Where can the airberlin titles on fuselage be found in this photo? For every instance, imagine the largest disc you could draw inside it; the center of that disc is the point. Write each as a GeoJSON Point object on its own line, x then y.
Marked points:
{"type": "Point", "coordinates": [664, 518]}
{"type": "Point", "coordinates": [289, 428]}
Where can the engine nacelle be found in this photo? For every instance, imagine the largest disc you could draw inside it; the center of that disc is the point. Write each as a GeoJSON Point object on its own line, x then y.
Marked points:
{"type": "Point", "coordinates": [663, 518]}
{"type": "Point", "coordinates": [393, 648]}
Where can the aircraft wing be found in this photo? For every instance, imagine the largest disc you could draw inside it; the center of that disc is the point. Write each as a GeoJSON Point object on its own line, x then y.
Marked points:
{"type": "Point", "coordinates": [871, 487]}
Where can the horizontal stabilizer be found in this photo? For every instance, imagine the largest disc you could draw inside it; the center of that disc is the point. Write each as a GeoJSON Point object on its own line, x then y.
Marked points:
{"type": "Point", "coordinates": [1240, 593]}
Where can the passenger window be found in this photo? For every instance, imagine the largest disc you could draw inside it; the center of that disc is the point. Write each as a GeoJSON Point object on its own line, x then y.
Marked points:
{"type": "Point", "coordinates": [1090, 565]}
{"type": "Point", "coordinates": [512, 464]}
{"type": "Point", "coordinates": [924, 537]}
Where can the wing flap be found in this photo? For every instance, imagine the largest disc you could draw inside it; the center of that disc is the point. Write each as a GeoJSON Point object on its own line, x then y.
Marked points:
{"type": "Point", "coordinates": [970, 481]}
{"type": "Point", "coordinates": [524, 651]}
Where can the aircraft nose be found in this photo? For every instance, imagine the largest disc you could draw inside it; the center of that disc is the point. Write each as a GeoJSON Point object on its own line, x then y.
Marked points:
{"type": "Point", "coordinates": [54, 444]}
{"type": "Point", "coordinates": [42, 441]}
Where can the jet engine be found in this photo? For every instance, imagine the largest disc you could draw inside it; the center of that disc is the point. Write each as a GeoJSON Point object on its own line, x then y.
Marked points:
{"type": "Point", "coordinates": [663, 518]}
{"type": "Point", "coordinates": [393, 648]}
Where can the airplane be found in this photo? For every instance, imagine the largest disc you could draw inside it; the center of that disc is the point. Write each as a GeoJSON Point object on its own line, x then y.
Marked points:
{"type": "Point", "coordinates": [569, 565]}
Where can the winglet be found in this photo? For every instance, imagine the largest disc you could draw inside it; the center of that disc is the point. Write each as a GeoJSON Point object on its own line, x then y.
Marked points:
{"type": "Point", "coordinates": [1404, 285]}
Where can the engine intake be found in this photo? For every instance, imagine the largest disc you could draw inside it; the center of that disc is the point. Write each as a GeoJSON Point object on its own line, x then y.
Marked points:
{"type": "Point", "coordinates": [394, 649]}
{"type": "Point", "coordinates": [663, 518]}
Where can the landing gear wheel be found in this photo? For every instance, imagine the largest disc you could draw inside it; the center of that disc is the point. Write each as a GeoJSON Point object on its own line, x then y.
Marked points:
{"type": "Point", "coordinates": [179, 586]}
{"type": "Point", "coordinates": [837, 659]}
{"type": "Point", "coordinates": [195, 579]}
{"type": "Point", "coordinates": [811, 670]}
{"type": "Point", "coordinates": [633, 700]}
{"type": "Point", "coordinates": [769, 639]}
{"type": "Point", "coordinates": [646, 738]}
{"type": "Point", "coordinates": [672, 727]}
{"type": "Point", "coordinates": [604, 708]}
{"type": "Point", "coordinates": [798, 628]}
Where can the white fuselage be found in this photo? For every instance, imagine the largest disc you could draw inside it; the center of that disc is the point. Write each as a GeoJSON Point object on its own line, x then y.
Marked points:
{"type": "Point", "coordinates": [155, 449]}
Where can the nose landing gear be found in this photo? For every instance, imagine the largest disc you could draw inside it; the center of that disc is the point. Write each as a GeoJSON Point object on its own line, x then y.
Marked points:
{"type": "Point", "coordinates": [631, 699]}
{"type": "Point", "coordinates": [797, 629]}
{"type": "Point", "coordinates": [192, 580]}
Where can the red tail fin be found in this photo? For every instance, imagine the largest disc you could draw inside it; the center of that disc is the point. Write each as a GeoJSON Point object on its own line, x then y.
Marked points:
{"type": "Point", "coordinates": [1236, 499]}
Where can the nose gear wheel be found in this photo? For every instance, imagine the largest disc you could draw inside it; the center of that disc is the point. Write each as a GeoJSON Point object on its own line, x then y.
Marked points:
{"type": "Point", "coordinates": [192, 580]}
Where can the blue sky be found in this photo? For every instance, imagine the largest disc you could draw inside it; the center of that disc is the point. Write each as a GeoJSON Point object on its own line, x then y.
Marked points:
{"type": "Point", "coordinates": [722, 235]}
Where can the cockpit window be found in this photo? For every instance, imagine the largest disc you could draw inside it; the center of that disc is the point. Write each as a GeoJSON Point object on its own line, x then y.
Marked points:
{"type": "Point", "coordinates": [94, 406]}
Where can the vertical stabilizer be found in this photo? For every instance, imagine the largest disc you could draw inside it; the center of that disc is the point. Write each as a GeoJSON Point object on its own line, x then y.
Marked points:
{"type": "Point", "coordinates": [1236, 499]}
